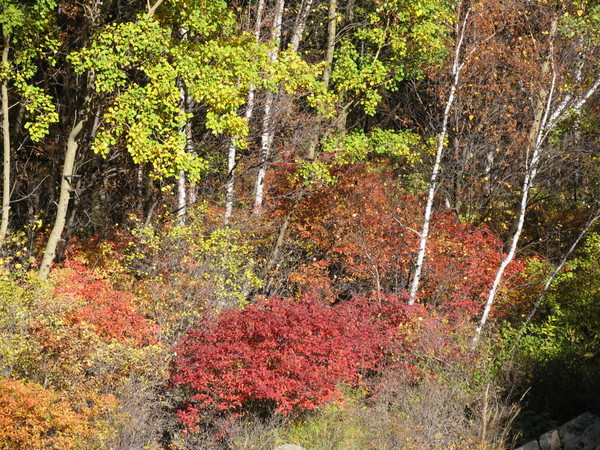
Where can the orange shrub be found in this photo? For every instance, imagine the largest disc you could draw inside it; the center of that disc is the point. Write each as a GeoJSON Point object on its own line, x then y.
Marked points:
{"type": "Point", "coordinates": [34, 417]}
{"type": "Point", "coordinates": [113, 314]}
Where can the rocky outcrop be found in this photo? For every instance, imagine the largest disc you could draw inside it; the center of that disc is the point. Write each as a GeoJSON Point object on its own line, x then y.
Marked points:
{"type": "Point", "coordinates": [583, 432]}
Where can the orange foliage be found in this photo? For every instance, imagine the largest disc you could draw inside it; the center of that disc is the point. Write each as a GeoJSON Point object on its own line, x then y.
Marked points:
{"type": "Point", "coordinates": [33, 417]}
{"type": "Point", "coordinates": [360, 237]}
{"type": "Point", "coordinates": [112, 313]}
{"type": "Point", "coordinates": [358, 232]}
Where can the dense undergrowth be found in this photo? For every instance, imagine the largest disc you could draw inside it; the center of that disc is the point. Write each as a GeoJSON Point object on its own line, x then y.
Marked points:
{"type": "Point", "coordinates": [161, 338]}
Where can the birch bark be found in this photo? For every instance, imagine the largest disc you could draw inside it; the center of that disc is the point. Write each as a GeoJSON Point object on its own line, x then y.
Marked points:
{"type": "Point", "coordinates": [267, 129]}
{"type": "Point", "coordinates": [457, 67]}
{"type": "Point", "coordinates": [545, 120]}
{"type": "Point", "coordinates": [232, 150]}
{"type": "Point", "coordinates": [182, 188]}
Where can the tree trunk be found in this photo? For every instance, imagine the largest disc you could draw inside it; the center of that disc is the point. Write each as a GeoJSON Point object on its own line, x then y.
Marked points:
{"type": "Point", "coordinates": [433, 184]}
{"type": "Point", "coordinates": [63, 244]}
{"type": "Point", "coordinates": [68, 170]}
{"type": "Point", "coordinates": [65, 196]}
{"type": "Point", "coordinates": [6, 146]}
{"type": "Point", "coordinates": [532, 163]}
{"type": "Point", "coordinates": [331, 35]}
{"type": "Point", "coordinates": [300, 24]}
{"type": "Point", "coordinates": [232, 150]}
{"type": "Point", "coordinates": [181, 199]}
{"type": "Point", "coordinates": [267, 128]}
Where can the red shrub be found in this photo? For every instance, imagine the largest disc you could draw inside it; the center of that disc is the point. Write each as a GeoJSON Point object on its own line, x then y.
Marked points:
{"type": "Point", "coordinates": [360, 237]}
{"type": "Point", "coordinates": [357, 232]}
{"type": "Point", "coordinates": [461, 266]}
{"type": "Point", "coordinates": [113, 313]}
{"type": "Point", "coordinates": [289, 355]}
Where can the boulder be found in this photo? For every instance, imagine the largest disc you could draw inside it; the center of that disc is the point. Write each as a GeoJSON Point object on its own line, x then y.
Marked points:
{"type": "Point", "coordinates": [583, 432]}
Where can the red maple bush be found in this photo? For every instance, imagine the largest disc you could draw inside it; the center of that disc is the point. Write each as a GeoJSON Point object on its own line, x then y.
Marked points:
{"type": "Point", "coordinates": [112, 313]}
{"type": "Point", "coordinates": [461, 266]}
{"type": "Point", "coordinates": [283, 354]}
{"type": "Point", "coordinates": [357, 235]}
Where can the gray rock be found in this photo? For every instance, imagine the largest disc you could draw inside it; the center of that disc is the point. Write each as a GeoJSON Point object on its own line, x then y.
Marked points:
{"type": "Point", "coordinates": [551, 441]}
{"type": "Point", "coordinates": [583, 432]}
{"type": "Point", "coordinates": [531, 445]}
{"type": "Point", "coordinates": [289, 447]}
{"type": "Point", "coordinates": [591, 436]}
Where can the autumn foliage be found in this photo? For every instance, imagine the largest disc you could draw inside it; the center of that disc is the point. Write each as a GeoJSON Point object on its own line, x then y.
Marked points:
{"type": "Point", "coordinates": [92, 300]}
{"type": "Point", "coordinates": [213, 212]}
{"type": "Point", "coordinates": [361, 235]}
{"type": "Point", "coordinates": [33, 417]}
{"type": "Point", "coordinates": [283, 355]}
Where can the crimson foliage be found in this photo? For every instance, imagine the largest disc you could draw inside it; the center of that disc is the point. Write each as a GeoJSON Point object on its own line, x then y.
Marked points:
{"type": "Point", "coordinates": [462, 263]}
{"type": "Point", "coordinates": [289, 355]}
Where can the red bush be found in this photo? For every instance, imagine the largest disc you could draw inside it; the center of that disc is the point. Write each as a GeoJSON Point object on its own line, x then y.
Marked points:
{"type": "Point", "coordinates": [461, 266]}
{"type": "Point", "coordinates": [360, 237]}
{"type": "Point", "coordinates": [357, 232]}
{"type": "Point", "coordinates": [288, 354]}
{"type": "Point", "coordinates": [112, 313]}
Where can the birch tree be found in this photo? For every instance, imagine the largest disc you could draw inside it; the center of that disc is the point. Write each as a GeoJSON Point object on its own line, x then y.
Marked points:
{"type": "Point", "coordinates": [248, 113]}
{"type": "Point", "coordinates": [458, 63]}
{"type": "Point", "coordinates": [266, 138]}
{"type": "Point", "coordinates": [553, 104]}
{"type": "Point", "coordinates": [26, 35]}
{"type": "Point", "coordinates": [182, 191]}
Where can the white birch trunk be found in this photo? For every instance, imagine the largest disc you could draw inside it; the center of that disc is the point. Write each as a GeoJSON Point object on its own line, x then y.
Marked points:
{"type": "Point", "coordinates": [267, 130]}
{"type": "Point", "coordinates": [182, 185]}
{"type": "Point", "coordinates": [531, 169]}
{"type": "Point", "coordinates": [265, 152]}
{"type": "Point", "coordinates": [527, 183]}
{"type": "Point", "coordinates": [433, 184]}
{"type": "Point", "coordinates": [544, 123]}
{"type": "Point", "coordinates": [182, 188]}
{"type": "Point", "coordinates": [232, 150]}
{"type": "Point", "coordinates": [231, 160]}
{"type": "Point", "coordinates": [300, 24]}
{"type": "Point", "coordinates": [230, 192]}
{"type": "Point", "coordinates": [181, 199]}
{"type": "Point", "coordinates": [6, 153]}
